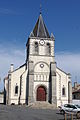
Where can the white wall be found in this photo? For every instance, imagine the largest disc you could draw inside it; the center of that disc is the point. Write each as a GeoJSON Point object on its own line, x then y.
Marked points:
{"type": "Point", "coordinates": [1, 98]}
{"type": "Point", "coordinates": [62, 81]}
{"type": "Point", "coordinates": [15, 80]}
{"type": "Point", "coordinates": [23, 87]}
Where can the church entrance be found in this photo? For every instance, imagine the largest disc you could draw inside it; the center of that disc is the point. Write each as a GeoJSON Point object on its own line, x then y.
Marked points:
{"type": "Point", "coordinates": [41, 94]}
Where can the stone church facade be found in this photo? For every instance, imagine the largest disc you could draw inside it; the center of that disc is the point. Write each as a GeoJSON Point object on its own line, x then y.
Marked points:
{"type": "Point", "coordinates": [39, 79]}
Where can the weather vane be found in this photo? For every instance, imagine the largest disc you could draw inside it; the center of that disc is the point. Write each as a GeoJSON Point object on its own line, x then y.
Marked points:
{"type": "Point", "coordinates": [40, 8]}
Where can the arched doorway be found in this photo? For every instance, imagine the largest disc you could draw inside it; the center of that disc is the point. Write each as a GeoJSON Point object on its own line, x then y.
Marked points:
{"type": "Point", "coordinates": [41, 93]}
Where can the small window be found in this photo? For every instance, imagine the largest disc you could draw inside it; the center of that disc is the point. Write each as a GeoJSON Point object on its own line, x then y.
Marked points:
{"type": "Point", "coordinates": [74, 96]}
{"type": "Point", "coordinates": [36, 47]}
{"type": "Point", "coordinates": [48, 49]}
{"type": "Point", "coordinates": [72, 106]}
{"type": "Point", "coordinates": [16, 89]}
{"type": "Point", "coordinates": [65, 105]}
{"type": "Point", "coordinates": [63, 91]}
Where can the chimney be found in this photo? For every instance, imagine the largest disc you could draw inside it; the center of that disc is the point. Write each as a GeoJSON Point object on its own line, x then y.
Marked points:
{"type": "Point", "coordinates": [11, 68]}
{"type": "Point", "coordinates": [75, 84]}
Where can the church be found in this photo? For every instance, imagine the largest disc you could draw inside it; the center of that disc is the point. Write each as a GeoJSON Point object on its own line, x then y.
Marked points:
{"type": "Point", "coordinates": [39, 78]}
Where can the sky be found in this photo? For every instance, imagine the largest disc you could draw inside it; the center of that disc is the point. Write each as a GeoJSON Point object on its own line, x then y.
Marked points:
{"type": "Point", "coordinates": [17, 20]}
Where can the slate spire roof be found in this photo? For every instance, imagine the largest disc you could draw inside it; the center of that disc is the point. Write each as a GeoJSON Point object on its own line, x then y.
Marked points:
{"type": "Point", "coordinates": [40, 29]}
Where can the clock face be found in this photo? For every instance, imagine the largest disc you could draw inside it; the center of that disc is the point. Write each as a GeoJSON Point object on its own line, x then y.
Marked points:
{"type": "Point", "coordinates": [42, 42]}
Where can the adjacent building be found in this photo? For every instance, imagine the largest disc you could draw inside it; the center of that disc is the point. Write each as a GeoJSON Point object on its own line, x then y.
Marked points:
{"type": "Point", "coordinates": [76, 91]}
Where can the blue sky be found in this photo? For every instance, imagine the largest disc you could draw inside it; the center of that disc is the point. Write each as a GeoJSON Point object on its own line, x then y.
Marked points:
{"type": "Point", "coordinates": [17, 20]}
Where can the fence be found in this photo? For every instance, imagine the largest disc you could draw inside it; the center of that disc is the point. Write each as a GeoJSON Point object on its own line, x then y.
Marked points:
{"type": "Point", "coordinates": [70, 116]}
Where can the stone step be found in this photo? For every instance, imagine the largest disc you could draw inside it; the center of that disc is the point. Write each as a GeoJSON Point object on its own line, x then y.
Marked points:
{"type": "Point", "coordinates": [42, 105]}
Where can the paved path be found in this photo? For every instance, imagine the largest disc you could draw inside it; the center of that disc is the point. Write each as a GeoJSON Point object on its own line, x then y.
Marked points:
{"type": "Point", "coordinates": [25, 113]}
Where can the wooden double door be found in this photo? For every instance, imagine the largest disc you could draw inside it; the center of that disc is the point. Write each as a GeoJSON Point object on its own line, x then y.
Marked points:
{"type": "Point", "coordinates": [41, 93]}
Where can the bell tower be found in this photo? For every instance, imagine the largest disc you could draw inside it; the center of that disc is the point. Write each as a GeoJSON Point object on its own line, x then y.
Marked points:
{"type": "Point", "coordinates": [39, 41]}
{"type": "Point", "coordinates": [40, 61]}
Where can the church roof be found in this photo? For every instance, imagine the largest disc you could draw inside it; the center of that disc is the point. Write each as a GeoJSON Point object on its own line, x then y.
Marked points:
{"type": "Point", "coordinates": [40, 29]}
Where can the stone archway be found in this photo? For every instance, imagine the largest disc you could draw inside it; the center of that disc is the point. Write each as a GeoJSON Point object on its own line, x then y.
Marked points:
{"type": "Point", "coordinates": [41, 93]}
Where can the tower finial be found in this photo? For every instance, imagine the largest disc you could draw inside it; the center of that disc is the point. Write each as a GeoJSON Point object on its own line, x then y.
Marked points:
{"type": "Point", "coordinates": [40, 8]}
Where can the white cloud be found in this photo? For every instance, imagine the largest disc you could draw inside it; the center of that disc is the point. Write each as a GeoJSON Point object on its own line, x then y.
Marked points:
{"type": "Point", "coordinates": [17, 57]}
{"type": "Point", "coordinates": [8, 11]}
{"type": "Point", "coordinates": [69, 62]}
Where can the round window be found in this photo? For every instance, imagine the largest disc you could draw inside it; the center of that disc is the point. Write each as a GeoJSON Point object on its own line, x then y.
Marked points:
{"type": "Point", "coordinates": [41, 65]}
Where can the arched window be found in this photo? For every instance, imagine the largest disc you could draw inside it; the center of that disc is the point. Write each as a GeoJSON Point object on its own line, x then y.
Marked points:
{"type": "Point", "coordinates": [63, 91]}
{"type": "Point", "coordinates": [36, 47]}
{"type": "Point", "coordinates": [48, 48]}
{"type": "Point", "coordinates": [16, 89]}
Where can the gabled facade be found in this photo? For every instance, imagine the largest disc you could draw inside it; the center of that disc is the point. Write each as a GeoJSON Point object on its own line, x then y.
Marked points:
{"type": "Point", "coordinates": [39, 79]}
